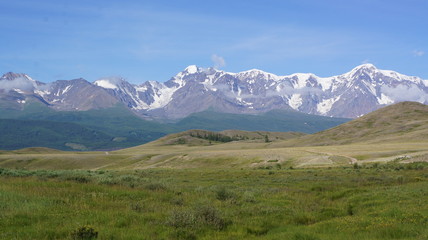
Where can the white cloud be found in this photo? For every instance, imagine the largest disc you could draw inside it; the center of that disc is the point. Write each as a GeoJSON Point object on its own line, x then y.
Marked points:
{"type": "Point", "coordinates": [289, 90]}
{"type": "Point", "coordinates": [406, 93]}
{"type": "Point", "coordinates": [17, 83]}
{"type": "Point", "coordinates": [113, 79]}
{"type": "Point", "coordinates": [418, 53]}
{"type": "Point", "coordinates": [218, 61]}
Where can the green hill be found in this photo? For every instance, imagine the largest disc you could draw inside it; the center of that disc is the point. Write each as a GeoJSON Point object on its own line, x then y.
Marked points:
{"type": "Point", "coordinates": [36, 133]}
{"type": "Point", "coordinates": [274, 121]}
{"type": "Point", "coordinates": [205, 138]}
{"type": "Point", "coordinates": [118, 123]}
{"type": "Point", "coordinates": [401, 122]}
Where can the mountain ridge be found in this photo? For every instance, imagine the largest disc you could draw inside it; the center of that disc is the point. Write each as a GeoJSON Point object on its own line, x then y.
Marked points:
{"type": "Point", "coordinates": [355, 93]}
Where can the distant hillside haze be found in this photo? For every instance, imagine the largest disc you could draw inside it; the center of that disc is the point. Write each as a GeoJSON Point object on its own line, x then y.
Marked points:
{"type": "Point", "coordinates": [355, 93]}
{"type": "Point", "coordinates": [118, 127]}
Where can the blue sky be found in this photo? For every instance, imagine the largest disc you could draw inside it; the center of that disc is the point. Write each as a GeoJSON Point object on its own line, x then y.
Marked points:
{"type": "Point", "coordinates": [154, 40]}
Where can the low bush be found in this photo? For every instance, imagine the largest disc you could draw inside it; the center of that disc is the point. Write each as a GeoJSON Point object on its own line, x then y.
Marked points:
{"type": "Point", "coordinates": [84, 233]}
{"type": "Point", "coordinates": [224, 194]}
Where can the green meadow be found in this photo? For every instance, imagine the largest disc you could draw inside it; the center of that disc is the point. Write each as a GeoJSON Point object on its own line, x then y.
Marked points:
{"type": "Point", "coordinates": [370, 201]}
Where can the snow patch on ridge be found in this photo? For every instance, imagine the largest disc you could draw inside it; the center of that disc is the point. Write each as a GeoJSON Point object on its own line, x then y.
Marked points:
{"type": "Point", "coordinates": [300, 79]}
{"type": "Point", "coordinates": [325, 83]}
{"type": "Point", "coordinates": [325, 106]}
{"type": "Point", "coordinates": [162, 97]}
{"type": "Point", "coordinates": [384, 99]}
{"type": "Point", "coordinates": [295, 101]}
{"type": "Point", "coordinates": [66, 89]}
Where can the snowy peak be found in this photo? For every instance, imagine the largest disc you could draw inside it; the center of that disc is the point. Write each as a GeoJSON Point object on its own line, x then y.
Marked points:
{"type": "Point", "coordinates": [18, 82]}
{"type": "Point", "coordinates": [256, 74]}
{"type": "Point", "coordinates": [192, 69]}
{"type": "Point", "coordinates": [367, 66]}
{"type": "Point", "coordinates": [364, 69]}
{"type": "Point", "coordinates": [11, 76]}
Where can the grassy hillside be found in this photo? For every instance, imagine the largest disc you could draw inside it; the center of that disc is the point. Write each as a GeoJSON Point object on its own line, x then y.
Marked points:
{"type": "Point", "coordinates": [274, 121]}
{"type": "Point", "coordinates": [118, 127]}
{"type": "Point", "coordinates": [66, 136]}
{"type": "Point", "coordinates": [115, 121]}
{"type": "Point", "coordinates": [203, 137]}
{"type": "Point", "coordinates": [401, 122]}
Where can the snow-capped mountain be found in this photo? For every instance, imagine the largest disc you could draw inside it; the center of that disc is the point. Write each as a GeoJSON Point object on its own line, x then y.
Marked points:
{"type": "Point", "coordinates": [64, 95]}
{"type": "Point", "coordinates": [362, 90]}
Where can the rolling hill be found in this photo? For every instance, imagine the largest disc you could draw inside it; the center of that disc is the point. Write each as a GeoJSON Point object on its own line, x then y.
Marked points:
{"type": "Point", "coordinates": [401, 122]}
{"type": "Point", "coordinates": [273, 121]}
{"type": "Point", "coordinates": [206, 138]}
{"type": "Point", "coordinates": [37, 133]}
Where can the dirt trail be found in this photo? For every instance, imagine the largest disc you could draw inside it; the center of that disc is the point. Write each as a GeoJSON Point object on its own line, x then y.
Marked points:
{"type": "Point", "coordinates": [351, 159]}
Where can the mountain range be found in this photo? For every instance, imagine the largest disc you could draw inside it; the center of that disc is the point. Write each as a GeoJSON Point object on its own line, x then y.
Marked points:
{"type": "Point", "coordinates": [355, 93]}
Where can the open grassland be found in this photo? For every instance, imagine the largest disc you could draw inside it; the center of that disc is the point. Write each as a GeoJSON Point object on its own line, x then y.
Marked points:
{"type": "Point", "coordinates": [372, 201]}
{"type": "Point", "coordinates": [401, 122]}
{"type": "Point", "coordinates": [232, 154]}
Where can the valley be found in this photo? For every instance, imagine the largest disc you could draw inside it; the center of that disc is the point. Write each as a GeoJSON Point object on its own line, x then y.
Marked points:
{"type": "Point", "coordinates": [399, 132]}
{"type": "Point", "coordinates": [363, 179]}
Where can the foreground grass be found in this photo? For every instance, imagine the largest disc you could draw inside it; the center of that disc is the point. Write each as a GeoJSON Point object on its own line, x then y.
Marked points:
{"type": "Point", "coordinates": [378, 201]}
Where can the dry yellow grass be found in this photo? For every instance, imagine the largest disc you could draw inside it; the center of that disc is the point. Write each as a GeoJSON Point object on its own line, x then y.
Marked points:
{"type": "Point", "coordinates": [235, 154]}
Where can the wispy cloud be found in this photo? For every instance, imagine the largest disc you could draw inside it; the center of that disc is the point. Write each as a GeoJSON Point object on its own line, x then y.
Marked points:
{"type": "Point", "coordinates": [418, 53]}
{"type": "Point", "coordinates": [275, 42]}
{"type": "Point", "coordinates": [218, 61]}
{"type": "Point", "coordinates": [406, 93]}
{"type": "Point", "coordinates": [17, 83]}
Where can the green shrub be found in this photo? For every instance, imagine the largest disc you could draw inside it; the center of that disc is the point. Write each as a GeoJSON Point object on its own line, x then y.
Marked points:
{"type": "Point", "coordinates": [137, 207]}
{"type": "Point", "coordinates": [79, 179]}
{"type": "Point", "coordinates": [224, 194]}
{"type": "Point", "coordinates": [204, 215]}
{"type": "Point", "coordinates": [303, 236]}
{"type": "Point", "coordinates": [182, 219]}
{"type": "Point", "coordinates": [184, 234]}
{"type": "Point", "coordinates": [177, 201]}
{"type": "Point", "coordinates": [84, 233]}
{"type": "Point", "coordinates": [249, 197]}
{"type": "Point", "coordinates": [303, 219]}
{"type": "Point", "coordinates": [155, 186]}
{"type": "Point", "coordinates": [350, 210]}
{"type": "Point", "coordinates": [211, 217]}
{"type": "Point", "coordinates": [258, 231]}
